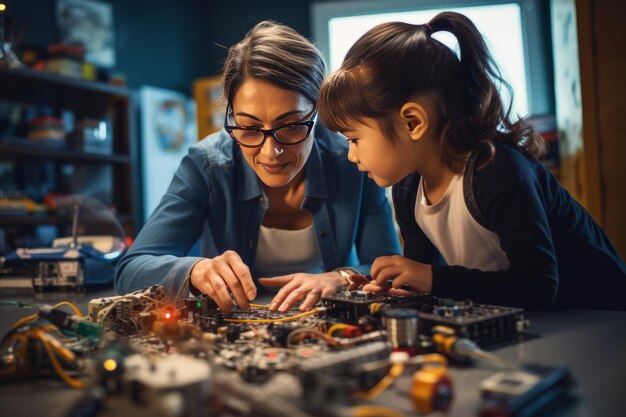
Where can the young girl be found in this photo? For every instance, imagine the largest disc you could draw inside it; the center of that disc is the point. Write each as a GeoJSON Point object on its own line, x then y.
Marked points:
{"type": "Point", "coordinates": [469, 187]}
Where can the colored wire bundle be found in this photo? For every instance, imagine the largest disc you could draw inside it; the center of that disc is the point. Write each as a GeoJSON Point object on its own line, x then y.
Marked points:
{"type": "Point", "coordinates": [279, 320]}
{"type": "Point", "coordinates": [19, 340]}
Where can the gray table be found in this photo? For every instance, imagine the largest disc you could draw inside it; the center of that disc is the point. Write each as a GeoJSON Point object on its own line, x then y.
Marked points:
{"type": "Point", "coordinates": [591, 343]}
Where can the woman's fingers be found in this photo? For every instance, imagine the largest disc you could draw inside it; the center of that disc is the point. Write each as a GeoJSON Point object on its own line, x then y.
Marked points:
{"type": "Point", "coordinates": [222, 276]}
{"type": "Point", "coordinates": [234, 285]}
{"type": "Point", "coordinates": [276, 281]}
{"type": "Point", "coordinates": [284, 292]}
{"type": "Point", "coordinates": [293, 297]}
{"type": "Point", "coordinates": [242, 272]}
{"type": "Point", "coordinates": [217, 289]}
{"type": "Point", "coordinates": [311, 298]}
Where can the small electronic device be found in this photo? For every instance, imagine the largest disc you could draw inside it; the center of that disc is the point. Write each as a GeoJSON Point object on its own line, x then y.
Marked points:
{"type": "Point", "coordinates": [524, 392]}
{"type": "Point", "coordinates": [70, 264]}
{"type": "Point", "coordinates": [41, 269]}
{"type": "Point", "coordinates": [482, 323]}
{"type": "Point", "coordinates": [352, 305]}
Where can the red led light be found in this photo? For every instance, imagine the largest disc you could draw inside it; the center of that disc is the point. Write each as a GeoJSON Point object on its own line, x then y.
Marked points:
{"type": "Point", "coordinates": [168, 315]}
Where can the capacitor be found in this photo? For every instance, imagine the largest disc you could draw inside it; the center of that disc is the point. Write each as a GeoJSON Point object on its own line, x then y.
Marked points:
{"type": "Point", "coordinates": [401, 325]}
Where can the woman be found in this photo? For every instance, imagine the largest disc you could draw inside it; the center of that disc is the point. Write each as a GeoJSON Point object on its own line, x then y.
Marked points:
{"type": "Point", "coordinates": [273, 197]}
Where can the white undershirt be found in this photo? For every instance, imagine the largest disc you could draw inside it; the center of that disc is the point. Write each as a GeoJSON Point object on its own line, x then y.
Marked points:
{"type": "Point", "coordinates": [458, 237]}
{"type": "Point", "coordinates": [281, 252]}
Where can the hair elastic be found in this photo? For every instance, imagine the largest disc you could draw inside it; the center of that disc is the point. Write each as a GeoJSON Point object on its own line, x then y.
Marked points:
{"type": "Point", "coordinates": [429, 29]}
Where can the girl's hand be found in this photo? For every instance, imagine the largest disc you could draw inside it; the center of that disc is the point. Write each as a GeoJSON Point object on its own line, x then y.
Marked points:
{"type": "Point", "coordinates": [400, 271]}
{"type": "Point", "coordinates": [222, 276]}
{"type": "Point", "coordinates": [307, 287]}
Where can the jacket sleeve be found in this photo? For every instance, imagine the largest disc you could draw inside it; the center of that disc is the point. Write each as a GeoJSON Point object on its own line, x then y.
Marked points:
{"type": "Point", "coordinates": [376, 233]}
{"type": "Point", "coordinates": [513, 202]}
{"type": "Point", "coordinates": [158, 255]}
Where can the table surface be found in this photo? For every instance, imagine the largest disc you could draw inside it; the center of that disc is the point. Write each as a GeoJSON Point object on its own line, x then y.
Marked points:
{"type": "Point", "coordinates": [591, 343]}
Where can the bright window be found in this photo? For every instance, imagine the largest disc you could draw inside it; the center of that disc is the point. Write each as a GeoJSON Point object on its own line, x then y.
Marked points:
{"type": "Point", "coordinates": [500, 24]}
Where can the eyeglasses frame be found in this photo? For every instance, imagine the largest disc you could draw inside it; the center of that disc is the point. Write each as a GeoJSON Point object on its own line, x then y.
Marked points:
{"type": "Point", "coordinates": [270, 132]}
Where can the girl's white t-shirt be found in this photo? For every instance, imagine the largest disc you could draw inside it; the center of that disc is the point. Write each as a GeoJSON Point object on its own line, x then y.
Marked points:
{"type": "Point", "coordinates": [458, 237]}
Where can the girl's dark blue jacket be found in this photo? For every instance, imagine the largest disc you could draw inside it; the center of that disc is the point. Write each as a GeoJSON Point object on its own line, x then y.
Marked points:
{"type": "Point", "coordinates": [559, 256]}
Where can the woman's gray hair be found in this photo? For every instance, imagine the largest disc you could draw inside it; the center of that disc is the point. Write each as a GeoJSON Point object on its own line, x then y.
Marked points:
{"type": "Point", "coordinates": [277, 54]}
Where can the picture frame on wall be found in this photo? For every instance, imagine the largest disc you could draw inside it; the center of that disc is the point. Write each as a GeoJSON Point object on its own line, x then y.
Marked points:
{"type": "Point", "coordinates": [168, 129]}
{"type": "Point", "coordinates": [89, 23]}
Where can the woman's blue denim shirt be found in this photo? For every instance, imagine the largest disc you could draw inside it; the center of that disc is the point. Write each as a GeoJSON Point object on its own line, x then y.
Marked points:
{"type": "Point", "coordinates": [215, 196]}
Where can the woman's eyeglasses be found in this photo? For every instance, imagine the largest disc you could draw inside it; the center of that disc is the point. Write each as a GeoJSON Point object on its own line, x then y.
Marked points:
{"type": "Point", "coordinates": [287, 134]}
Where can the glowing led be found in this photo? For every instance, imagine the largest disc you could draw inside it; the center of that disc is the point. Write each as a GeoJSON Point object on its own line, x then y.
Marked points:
{"type": "Point", "coordinates": [110, 365]}
{"type": "Point", "coordinates": [199, 304]}
{"type": "Point", "coordinates": [3, 7]}
{"type": "Point", "coordinates": [168, 315]}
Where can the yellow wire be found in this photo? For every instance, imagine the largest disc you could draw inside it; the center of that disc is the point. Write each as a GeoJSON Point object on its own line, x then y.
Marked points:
{"type": "Point", "coordinates": [64, 352]}
{"type": "Point", "coordinates": [375, 411]}
{"type": "Point", "coordinates": [39, 333]}
{"type": "Point", "coordinates": [337, 326]}
{"type": "Point", "coordinates": [72, 306]}
{"type": "Point", "coordinates": [310, 332]}
{"type": "Point", "coordinates": [24, 320]}
{"type": "Point", "coordinates": [73, 382]}
{"type": "Point", "coordinates": [297, 316]}
{"type": "Point", "coordinates": [394, 372]}
{"type": "Point", "coordinates": [374, 307]}
{"type": "Point", "coordinates": [260, 305]}
{"type": "Point", "coordinates": [33, 316]}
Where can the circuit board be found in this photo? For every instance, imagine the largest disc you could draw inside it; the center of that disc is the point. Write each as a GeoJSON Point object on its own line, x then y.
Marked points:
{"type": "Point", "coordinates": [141, 347]}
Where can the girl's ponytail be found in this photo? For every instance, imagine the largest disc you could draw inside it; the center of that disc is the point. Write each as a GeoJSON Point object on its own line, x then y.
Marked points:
{"type": "Point", "coordinates": [488, 118]}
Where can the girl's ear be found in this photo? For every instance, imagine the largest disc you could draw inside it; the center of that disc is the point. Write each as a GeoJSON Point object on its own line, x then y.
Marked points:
{"type": "Point", "coordinates": [415, 119]}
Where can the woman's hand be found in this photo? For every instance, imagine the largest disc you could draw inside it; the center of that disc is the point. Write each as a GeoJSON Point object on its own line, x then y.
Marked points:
{"type": "Point", "coordinates": [400, 271]}
{"type": "Point", "coordinates": [220, 276]}
{"type": "Point", "coordinates": [307, 287]}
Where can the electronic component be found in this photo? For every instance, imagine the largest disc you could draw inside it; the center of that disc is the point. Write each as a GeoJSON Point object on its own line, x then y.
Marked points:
{"type": "Point", "coordinates": [524, 392]}
{"type": "Point", "coordinates": [66, 321]}
{"type": "Point", "coordinates": [481, 323]}
{"type": "Point", "coordinates": [39, 270]}
{"type": "Point", "coordinates": [354, 305]}
{"type": "Point", "coordinates": [431, 388]}
{"type": "Point", "coordinates": [336, 376]}
{"type": "Point", "coordinates": [401, 325]}
{"type": "Point", "coordinates": [127, 314]}
{"type": "Point", "coordinates": [200, 307]}
{"type": "Point", "coordinates": [172, 385]}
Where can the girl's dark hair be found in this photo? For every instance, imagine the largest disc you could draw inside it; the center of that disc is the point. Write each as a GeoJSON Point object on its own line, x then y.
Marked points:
{"type": "Point", "coordinates": [277, 54]}
{"type": "Point", "coordinates": [396, 62]}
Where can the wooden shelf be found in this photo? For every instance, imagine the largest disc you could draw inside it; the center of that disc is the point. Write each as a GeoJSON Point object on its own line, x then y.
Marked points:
{"type": "Point", "coordinates": [87, 99]}
{"type": "Point", "coordinates": [15, 151]}
{"type": "Point", "coordinates": [47, 80]}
